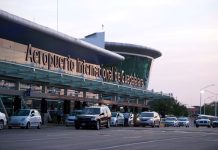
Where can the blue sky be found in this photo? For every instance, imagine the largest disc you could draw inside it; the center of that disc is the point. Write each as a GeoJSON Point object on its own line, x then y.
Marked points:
{"type": "Point", "coordinates": [185, 31]}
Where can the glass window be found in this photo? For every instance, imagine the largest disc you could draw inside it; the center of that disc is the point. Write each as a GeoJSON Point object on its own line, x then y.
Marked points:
{"type": "Point", "coordinates": [147, 115]}
{"type": "Point", "coordinates": [24, 112]}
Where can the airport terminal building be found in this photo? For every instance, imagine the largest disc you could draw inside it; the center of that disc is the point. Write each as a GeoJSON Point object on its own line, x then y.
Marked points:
{"type": "Point", "coordinates": [45, 69]}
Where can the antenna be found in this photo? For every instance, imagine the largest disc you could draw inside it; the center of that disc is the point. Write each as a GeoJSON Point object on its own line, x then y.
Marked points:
{"type": "Point", "coordinates": [57, 15]}
{"type": "Point", "coordinates": [102, 26]}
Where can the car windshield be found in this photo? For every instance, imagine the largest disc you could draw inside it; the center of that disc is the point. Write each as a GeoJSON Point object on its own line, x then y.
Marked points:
{"type": "Point", "coordinates": [91, 111]}
{"type": "Point", "coordinates": [171, 119]}
{"type": "Point", "coordinates": [203, 117]}
{"type": "Point", "coordinates": [113, 114]}
{"type": "Point", "coordinates": [182, 119]}
{"type": "Point", "coordinates": [22, 113]}
{"type": "Point", "coordinates": [147, 115]}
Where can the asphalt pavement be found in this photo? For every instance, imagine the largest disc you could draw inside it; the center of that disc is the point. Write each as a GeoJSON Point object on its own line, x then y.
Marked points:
{"type": "Point", "coordinates": [114, 138]}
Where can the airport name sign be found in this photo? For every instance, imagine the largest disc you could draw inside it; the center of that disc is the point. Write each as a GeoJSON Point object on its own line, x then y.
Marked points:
{"type": "Point", "coordinates": [53, 61]}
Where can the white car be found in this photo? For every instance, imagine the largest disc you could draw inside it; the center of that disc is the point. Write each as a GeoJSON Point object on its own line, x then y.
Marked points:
{"type": "Point", "coordinates": [3, 120]}
{"type": "Point", "coordinates": [25, 118]}
{"type": "Point", "coordinates": [128, 119]}
{"type": "Point", "coordinates": [203, 122]}
{"type": "Point", "coordinates": [117, 119]}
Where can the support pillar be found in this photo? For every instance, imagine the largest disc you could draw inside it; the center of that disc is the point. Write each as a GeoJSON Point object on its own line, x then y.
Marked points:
{"type": "Point", "coordinates": [66, 107]}
{"type": "Point", "coordinates": [44, 111]}
{"type": "Point", "coordinates": [44, 89]}
{"type": "Point", "coordinates": [17, 103]}
{"type": "Point", "coordinates": [17, 85]}
{"type": "Point", "coordinates": [84, 94]}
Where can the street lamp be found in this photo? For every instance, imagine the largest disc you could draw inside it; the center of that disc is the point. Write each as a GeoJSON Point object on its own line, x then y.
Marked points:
{"type": "Point", "coordinates": [202, 91]}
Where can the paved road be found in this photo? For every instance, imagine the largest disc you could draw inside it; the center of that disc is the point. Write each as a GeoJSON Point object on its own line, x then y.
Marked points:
{"type": "Point", "coordinates": [114, 138]}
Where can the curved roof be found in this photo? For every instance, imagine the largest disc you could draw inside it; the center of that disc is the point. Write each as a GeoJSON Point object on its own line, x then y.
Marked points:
{"type": "Point", "coordinates": [123, 48]}
{"type": "Point", "coordinates": [26, 32]}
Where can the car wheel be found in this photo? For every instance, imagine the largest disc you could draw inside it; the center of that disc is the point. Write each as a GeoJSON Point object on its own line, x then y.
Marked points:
{"type": "Point", "coordinates": [209, 126]}
{"type": "Point", "coordinates": [97, 126]}
{"type": "Point", "coordinates": [158, 125]}
{"type": "Point", "coordinates": [9, 127]}
{"type": "Point", "coordinates": [39, 125]}
{"type": "Point", "coordinates": [77, 126]}
{"type": "Point", "coordinates": [197, 126]}
{"type": "Point", "coordinates": [1, 124]}
{"type": "Point", "coordinates": [27, 125]}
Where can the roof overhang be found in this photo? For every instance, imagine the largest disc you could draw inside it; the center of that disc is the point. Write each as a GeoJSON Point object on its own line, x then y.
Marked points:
{"type": "Point", "coordinates": [131, 49]}
{"type": "Point", "coordinates": [26, 32]}
{"type": "Point", "coordinates": [51, 78]}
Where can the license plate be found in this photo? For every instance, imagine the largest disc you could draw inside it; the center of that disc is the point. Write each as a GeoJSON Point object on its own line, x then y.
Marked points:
{"type": "Point", "coordinates": [83, 124]}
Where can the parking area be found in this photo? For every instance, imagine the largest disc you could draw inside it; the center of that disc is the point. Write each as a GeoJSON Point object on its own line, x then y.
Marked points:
{"type": "Point", "coordinates": [136, 138]}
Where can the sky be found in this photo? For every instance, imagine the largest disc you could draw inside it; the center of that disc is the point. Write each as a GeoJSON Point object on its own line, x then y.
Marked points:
{"type": "Point", "coordinates": [184, 31]}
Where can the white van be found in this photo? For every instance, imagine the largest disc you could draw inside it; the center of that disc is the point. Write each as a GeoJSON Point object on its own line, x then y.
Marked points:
{"type": "Point", "coordinates": [3, 120]}
{"type": "Point", "coordinates": [25, 118]}
{"type": "Point", "coordinates": [149, 119]}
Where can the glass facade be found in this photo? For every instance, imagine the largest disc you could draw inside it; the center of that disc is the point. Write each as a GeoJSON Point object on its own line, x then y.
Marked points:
{"type": "Point", "coordinates": [135, 66]}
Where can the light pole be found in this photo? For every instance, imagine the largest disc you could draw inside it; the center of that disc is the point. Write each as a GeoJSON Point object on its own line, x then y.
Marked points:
{"type": "Point", "coordinates": [202, 91]}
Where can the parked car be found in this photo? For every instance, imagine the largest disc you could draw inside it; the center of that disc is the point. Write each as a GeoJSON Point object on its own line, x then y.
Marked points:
{"type": "Point", "coordinates": [128, 119]}
{"type": "Point", "coordinates": [203, 120]}
{"type": "Point", "coordinates": [70, 120]}
{"type": "Point", "coordinates": [94, 116]}
{"type": "Point", "coordinates": [25, 118]}
{"type": "Point", "coordinates": [171, 121]}
{"type": "Point", "coordinates": [183, 122]}
{"type": "Point", "coordinates": [3, 120]}
{"type": "Point", "coordinates": [149, 119]}
{"type": "Point", "coordinates": [215, 122]}
{"type": "Point", "coordinates": [117, 118]}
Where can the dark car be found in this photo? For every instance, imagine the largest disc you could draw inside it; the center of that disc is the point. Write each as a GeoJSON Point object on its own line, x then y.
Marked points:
{"type": "Point", "coordinates": [95, 116]}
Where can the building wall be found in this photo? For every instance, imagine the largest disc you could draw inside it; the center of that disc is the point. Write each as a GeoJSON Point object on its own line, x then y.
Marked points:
{"type": "Point", "coordinates": [136, 66]}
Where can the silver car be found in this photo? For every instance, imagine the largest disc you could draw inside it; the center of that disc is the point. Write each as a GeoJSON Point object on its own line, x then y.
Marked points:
{"type": "Point", "coordinates": [171, 121]}
{"type": "Point", "coordinates": [149, 119]}
{"type": "Point", "coordinates": [25, 118]}
{"type": "Point", "coordinates": [117, 119]}
{"type": "Point", "coordinates": [183, 122]}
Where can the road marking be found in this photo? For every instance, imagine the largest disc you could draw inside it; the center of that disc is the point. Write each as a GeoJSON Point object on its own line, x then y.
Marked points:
{"type": "Point", "coordinates": [132, 137]}
{"type": "Point", "coordinates": [212, 140]}
{"type": "Point", "coordinates": [131, 144]}
{"type": "Point", "coordinates": [30, 140]}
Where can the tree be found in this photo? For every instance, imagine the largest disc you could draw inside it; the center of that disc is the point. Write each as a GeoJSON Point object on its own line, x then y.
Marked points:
{"type": "Point", "coordinates": [168, 107]}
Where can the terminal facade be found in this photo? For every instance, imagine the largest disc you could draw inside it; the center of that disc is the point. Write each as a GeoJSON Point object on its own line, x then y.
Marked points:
{"type": "Point", "coordinates": [44, 69]}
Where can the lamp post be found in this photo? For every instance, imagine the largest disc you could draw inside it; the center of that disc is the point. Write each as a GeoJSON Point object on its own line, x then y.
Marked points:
{"type": "Point", "coordinates": [202, 91]}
